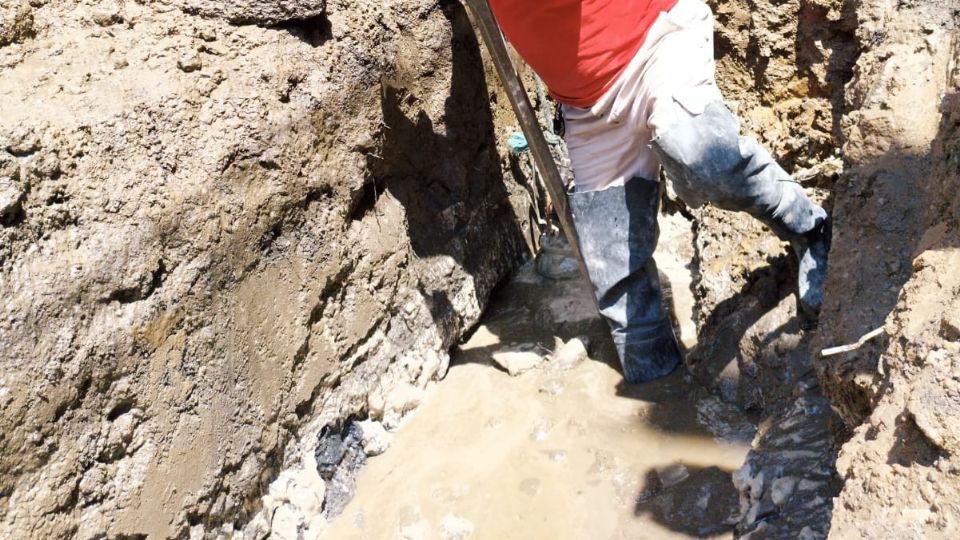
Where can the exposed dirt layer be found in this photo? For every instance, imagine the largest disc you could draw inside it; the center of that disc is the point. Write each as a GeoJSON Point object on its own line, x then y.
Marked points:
{"type": "Point", "coordinates": [895, 266]}
{"type": "Point", "coordinates": [215, 239]}
{"type": "Point", "coordinates": [860, 99]}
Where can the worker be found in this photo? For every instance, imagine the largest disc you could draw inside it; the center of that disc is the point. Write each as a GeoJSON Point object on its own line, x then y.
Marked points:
{"type": "Point", "coordinates": [635, 80]}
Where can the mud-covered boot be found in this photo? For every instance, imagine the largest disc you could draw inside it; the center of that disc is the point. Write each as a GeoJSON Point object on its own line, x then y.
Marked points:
{"type": "Point", "coordinates": [812, 250]}
{"type": "Point", "coordinates": [708, 161]}
{"type": "Point", "coordinates": [617, 228]}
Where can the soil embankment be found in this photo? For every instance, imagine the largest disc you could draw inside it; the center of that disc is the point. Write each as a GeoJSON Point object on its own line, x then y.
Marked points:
{"type": "Point", "coordinates": [223, 225]}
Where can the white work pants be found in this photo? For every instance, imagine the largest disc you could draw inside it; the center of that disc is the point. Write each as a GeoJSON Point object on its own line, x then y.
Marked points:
{"type": "Point", "coordinates": [672, 74]}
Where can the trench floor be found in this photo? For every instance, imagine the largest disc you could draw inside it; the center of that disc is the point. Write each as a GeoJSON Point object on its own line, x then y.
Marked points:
{"type": "Point", "coordinates": [565, 450]}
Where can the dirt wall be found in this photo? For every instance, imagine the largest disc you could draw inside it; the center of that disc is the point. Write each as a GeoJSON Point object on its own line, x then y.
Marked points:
{"type": "Point", "coordinates": [222, 226]}
{"type": "Point", "coordinates": [894, 267]}
{"type": "Point", "coordinates": [858, 101]}
{"type": "Point", "coordinates": [226, 227]}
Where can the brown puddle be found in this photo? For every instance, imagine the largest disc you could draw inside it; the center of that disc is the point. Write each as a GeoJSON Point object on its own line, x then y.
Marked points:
{"type": "Point", "coordinates": [556, 452]}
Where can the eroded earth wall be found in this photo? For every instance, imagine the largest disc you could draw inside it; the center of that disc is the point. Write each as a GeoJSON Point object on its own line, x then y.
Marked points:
{"type": "Point", "coordinates": [895, 267]}
{"type": "Point", "coordinates": [858, 99]}
{"type": "Point", "coordinates": [783, 67]}
{"type": "Point", "coordinates": [222, 223]}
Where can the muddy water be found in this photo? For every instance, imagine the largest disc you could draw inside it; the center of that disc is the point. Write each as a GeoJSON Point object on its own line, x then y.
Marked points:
{"type": "Point", "coordinates": [561, 451]}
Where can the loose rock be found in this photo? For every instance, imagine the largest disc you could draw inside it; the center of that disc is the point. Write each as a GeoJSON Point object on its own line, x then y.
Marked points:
{"type": "Point", "coordinates": [570, 354]}
{"type": "Point", "coordinates": [518, 360]}
{"type": "Point", "coordinates": [376, 439]}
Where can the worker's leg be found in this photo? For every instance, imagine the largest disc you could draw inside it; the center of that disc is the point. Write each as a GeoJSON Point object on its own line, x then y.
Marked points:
{"type": "Point", "coordinates": [618, 233]}
{"type": "Point", "coordinates": [614, 205]}
{"type": "Point", "coordinates": [698, 143]}
{"type": "Point", "coordinates": [709, 161]}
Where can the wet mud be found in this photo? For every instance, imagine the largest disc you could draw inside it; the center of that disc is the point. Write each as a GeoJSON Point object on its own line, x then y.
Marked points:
{"type": "Point", "coordinates": [562, 450]}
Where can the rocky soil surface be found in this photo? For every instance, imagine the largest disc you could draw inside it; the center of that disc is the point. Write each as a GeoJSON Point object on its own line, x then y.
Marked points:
{"type": "Point", "coordinates": [897, 249]}
{"type": "Point", "coordinates": [231, 230]}
{"type": "Point", "coordinates": [859, 100]}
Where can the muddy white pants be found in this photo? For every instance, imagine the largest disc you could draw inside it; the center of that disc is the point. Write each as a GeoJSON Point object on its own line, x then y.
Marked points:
{"type": "Point", "coordinates": [672, 75]}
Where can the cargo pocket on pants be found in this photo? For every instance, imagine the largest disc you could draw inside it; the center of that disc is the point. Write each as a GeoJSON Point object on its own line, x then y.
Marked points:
{"type": "Point", "coordinates": [674, 141]}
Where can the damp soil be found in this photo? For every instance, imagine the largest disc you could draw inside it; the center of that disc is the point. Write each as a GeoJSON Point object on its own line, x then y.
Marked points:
{"type": "Point", "coordinates": [564, 450]}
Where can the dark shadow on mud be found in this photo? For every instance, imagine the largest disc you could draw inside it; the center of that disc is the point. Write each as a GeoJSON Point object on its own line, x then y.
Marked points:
{"type": "Point", "coordinates": [697, 501]}
{"type": "Point", "coordinates": [755, 355]}
{"type": "Point", "coordinates": [753, 350]}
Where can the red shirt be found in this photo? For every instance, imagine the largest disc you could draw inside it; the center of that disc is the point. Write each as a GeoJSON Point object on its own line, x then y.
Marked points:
{"type": "Point", "coordinates": [578, 47]}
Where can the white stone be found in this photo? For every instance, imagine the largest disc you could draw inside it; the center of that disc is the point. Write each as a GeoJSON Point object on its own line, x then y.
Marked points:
{"type": "Point", "coordinates": [518, 360]}
{"type": "Point", "coordinates": [781, 489]}
{"type": "Point", "coordinates": [376, 439]}
{"type": "Point", "coordinates": [401, 399]}
{"type": "Point", "coordinates": [10, 194]}
{"type": "Point", "coordinates": [316, 524]}
{"type": "Point", "coordinates": [257, 529]}
{"type": "Point", "coordinates": [570, 354]}
{"type": "Point", "coordinates": [196, 532]}
{"type": "Point", "coordinates": [294, 500]}
{"type": "Point", "coordinates": [286, 523]}
{"type": "Point", "coordinates": [434, 368]}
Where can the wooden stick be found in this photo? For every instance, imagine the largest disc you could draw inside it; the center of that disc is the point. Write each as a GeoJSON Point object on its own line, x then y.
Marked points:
{"type": "Point", "coordinates": [507, 72]}
{"type": "Point", "coordinates": [853, 346]}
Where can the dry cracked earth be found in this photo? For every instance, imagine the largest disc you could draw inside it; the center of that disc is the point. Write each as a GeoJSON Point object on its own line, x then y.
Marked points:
{"type": "Point", "coordinates": [240, 243]}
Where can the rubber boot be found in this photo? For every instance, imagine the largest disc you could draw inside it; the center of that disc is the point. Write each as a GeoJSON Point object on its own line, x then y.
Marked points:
{"type": "Point", "coordinates": [708, 161]}
{"type": "Point", "coordinates": [618, 233]}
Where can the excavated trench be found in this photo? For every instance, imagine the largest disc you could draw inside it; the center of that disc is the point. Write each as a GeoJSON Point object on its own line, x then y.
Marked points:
{"type": "Point", "coordinates": [740, 442]}
{"type": "Point", "coordinates": [263, 270]}
{"type": "Point", "coordinates": [534, 434]}
{"type": "Point", "coordinates": [743, 441]}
